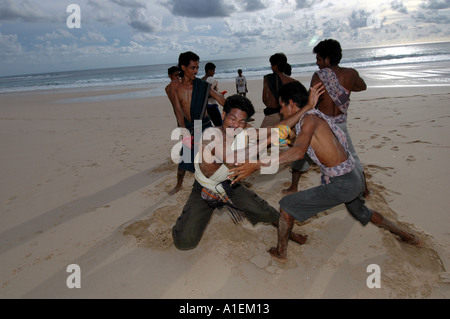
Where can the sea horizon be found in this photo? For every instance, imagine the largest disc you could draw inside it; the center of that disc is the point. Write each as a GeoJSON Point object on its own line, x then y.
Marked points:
{"type": "Point", "coordinates": [422, 64]}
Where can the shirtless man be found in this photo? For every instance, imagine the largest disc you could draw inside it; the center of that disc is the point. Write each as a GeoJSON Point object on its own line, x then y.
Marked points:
{"type": "Point", "coordinates": [342, 183]}
{"type": "Point", "coordinates": [271, 84]}
{"type": "Point", "coordinates": [174, 76]}
{"type": "Point", "coordinates": [328, 55]}
{"type": "Point", "coordinates": [188, 64]}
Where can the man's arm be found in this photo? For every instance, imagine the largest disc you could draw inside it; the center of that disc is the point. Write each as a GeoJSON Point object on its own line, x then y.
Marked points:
{"type": "Point", "coordinates": [314, 94]}
{"type": "Point", "coordinates": [178, 110]}
{"type": "Point", "coordinates": [267, 96]}
{"type": "Point", "coordinates": [298, 151]}
{"type": "Point", "coordinates": [171, 95]}
{"type": "Point", "coordinates": [217, 148]}
{"type": "Point", "coordinates": [359, 84]}
{"type": "Point", "coordinates": [217, 96]}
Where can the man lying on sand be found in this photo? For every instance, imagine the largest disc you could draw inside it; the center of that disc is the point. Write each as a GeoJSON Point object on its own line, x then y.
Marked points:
{"type": "Point", "coordinates": [212, 188]}
{"type": "Point", "coordinates": [326, 145]}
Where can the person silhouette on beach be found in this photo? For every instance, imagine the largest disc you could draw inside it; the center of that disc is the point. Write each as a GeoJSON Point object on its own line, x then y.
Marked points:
{"type": "Point", "coordinates": [188, 63]}
{"type": "Point", "coordinates": [342, 181]}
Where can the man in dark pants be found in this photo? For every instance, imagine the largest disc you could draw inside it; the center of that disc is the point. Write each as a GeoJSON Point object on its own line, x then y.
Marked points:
{"type": "Point", "coordinates": [212, 188]}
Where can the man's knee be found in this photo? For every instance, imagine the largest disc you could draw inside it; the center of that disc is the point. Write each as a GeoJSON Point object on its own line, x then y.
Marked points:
{"type": "Point", "coordinates": [183, 240]}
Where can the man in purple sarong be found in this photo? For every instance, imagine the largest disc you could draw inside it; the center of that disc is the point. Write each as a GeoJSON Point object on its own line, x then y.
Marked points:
{"type": "Point", "coordinates": [339, 82]}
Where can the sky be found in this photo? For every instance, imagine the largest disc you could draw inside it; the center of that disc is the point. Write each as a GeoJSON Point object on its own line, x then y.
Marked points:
{"type": "Point", "coordinates": [38, 36]}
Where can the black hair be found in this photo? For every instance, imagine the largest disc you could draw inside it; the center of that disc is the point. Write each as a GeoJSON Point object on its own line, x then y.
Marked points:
{"type": "Point", "coordinates": [172, 70]}
{"type": "Point", "coordinates": [280, 60]}
{"type": "Point", "coordinates": [209, 66]}
{"type": "Point", "coordinates": [185, 59]}
{"type": "Point", "coordinates": [294, 91]}
{"type": "Point", "coordinates": [240, 102]}
{"type": "Point", "coordinates": [329, 49]}
{"type": "Point", "coordinates": [288, 69]}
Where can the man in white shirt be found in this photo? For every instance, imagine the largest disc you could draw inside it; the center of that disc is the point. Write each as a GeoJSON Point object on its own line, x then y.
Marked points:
{"type": "Point", "coordinates": [213, 107]}
{"type": "Point", "coordinates": [241, 84]}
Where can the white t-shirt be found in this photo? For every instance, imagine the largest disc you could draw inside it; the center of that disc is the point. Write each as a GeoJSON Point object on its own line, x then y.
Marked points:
{"type": "Point", "coordinates": [241, 82]}
{"type": "Point", "coordinates": [214, 84]}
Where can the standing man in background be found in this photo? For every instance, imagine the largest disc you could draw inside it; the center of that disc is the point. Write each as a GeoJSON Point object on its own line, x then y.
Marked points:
{"type": "Point", "coordinates": [272, 83]}
{"type": "Point", "coordinates": [241, 84]}
{"type": "Point", "coordinates": [190, 96]}
{"type": "Point", "coordinates": [212, 108]}
{"type": "Point", "coordinates": [174, 76]}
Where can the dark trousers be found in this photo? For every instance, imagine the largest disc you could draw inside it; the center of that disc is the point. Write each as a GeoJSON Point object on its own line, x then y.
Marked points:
{"type": "Point", "coordinates": [191, 224]}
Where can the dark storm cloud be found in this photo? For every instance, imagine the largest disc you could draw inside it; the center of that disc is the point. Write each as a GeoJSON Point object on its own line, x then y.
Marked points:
{"type": "Point", "coordinates": [26, 11]}
{"type": "Point", "coordinates": [211, 8]}
{"type": "Point", "coordinates": [200, 8]}
{"type": "Point", "coordinates": [436, 4]}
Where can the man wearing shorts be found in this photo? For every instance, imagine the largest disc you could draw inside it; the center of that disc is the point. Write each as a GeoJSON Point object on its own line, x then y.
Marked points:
{"type": "Point", "coordinates": [342, 183]}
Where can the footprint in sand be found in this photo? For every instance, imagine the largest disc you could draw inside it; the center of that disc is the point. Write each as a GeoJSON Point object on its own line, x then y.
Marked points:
{"type": "Point", "coordinates": [394, 148]}
{"type": "Point", "coordinates": [381, 168]}
{"type": "Point", "coordinates": [265, 262]}
{"type": "Point", "coordinates": [410, 158]}
{"type": "Point", "coordinates": [10, 200]}
{"type": "Point", "coordinates": [271, 266]}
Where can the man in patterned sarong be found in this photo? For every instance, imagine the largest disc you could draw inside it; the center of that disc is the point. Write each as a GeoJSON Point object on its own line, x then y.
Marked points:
{"type": "Point", "coordinates": [339, 82]}
{"type": "Point", "coordinates": [342, 183]}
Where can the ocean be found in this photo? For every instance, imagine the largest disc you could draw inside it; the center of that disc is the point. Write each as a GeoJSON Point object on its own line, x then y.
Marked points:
{"type": "Point", "coordinates": [403, 65]}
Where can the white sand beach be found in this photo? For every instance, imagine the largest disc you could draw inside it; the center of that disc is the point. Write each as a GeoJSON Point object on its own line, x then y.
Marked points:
{"type": "Point", "coordinates": [86, 182]}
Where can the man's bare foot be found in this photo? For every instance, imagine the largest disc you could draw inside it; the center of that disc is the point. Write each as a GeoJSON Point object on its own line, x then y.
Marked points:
{"type": "Point", "coordinates": [382, 222]}
{"type": "Point", "coordinates": [289, 191]}
{"type": "Point", "coordinates": [409, 239]}
{"type": "Point", "coordinates": [175, 190]}
{"type": "Point", "coordinates": [299, 239]}
{"type": "Point", "coordinates": [276, 256]}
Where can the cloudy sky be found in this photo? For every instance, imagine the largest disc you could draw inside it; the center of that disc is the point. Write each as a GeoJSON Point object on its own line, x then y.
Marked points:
{"type": "Point", "coordinates": [41, 35]}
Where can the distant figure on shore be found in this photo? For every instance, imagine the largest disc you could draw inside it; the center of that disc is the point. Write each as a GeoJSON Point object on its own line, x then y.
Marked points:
{"type": "Point", "coordinates": [213, 107]}
{"type": "Point", "coordinates": [174, 76]}
{"type": "Point", "coordinates": [190, 97]}
{"type": "Point", "coordinates": [339, 83]}
{"type": "Point", "coordinates": [241, 84]}
{"type": "Point", "coordinates": [271, 84]}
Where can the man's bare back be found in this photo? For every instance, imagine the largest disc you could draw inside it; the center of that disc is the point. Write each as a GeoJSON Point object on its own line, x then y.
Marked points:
{"type": "Point", "coordinates": [349, 79]}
